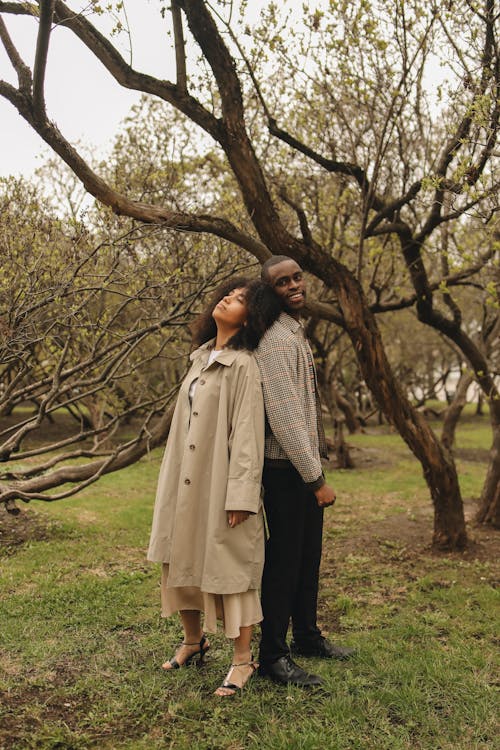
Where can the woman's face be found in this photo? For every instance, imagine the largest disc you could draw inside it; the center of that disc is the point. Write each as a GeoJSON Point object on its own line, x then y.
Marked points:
{"type": "Point", "coordinates": [231, 311]}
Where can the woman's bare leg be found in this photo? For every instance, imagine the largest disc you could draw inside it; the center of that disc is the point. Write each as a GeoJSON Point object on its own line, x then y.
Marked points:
{"type": "Point", "coordinates": [191, 623]}
{"type": "Point", "coordinates": [241, 669]}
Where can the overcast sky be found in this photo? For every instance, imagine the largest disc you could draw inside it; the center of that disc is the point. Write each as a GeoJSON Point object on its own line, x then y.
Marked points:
{"type": "Point", "coordinates": [82, 98]}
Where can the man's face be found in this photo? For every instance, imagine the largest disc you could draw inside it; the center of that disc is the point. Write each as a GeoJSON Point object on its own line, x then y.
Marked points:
{"type": "Point", "coordinates": [287, 280]}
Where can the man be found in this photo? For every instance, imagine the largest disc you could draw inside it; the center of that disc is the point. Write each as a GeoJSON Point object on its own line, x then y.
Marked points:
{"type": "Point", "coordinates": [295, 491]}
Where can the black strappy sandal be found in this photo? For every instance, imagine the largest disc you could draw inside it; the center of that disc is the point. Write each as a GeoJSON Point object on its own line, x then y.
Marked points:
{"type": "Point", "coordinates": [230, 685]}
{"type": "Point", "coordinates": [174, 664]}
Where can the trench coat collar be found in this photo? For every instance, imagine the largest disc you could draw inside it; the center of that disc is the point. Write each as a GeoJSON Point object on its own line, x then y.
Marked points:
{"type": "Point", "coordinates": [225, 357]}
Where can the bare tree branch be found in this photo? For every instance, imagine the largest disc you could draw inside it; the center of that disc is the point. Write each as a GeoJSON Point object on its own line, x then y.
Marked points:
{"type": "Point", "coordinates": [83, 475]}
{"type": "Point", "coordinates": [301, 214]}
{"type": "Point", "coordinates": [180, 53]}
{"type": "Point", "coordinates": [42, 48]}
{"type": "Point", "coordinates": [22, 70]}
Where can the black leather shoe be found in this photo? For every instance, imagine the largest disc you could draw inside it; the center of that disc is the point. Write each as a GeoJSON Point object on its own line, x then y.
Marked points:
{"type": "Point", "coordinates": [322, 648]}
{"type": "Point", "coordinates": [286, 672]}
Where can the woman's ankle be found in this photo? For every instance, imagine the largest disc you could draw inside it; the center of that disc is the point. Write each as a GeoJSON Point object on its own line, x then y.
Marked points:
{"type": "Point", "coordinates": [192, 640]}
{"type": "Point", "coordinates": [242, 657]}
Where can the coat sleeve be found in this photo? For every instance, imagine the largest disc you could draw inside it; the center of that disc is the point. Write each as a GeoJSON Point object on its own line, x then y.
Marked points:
{"type": "Point", "coordinates": [246, 439]}
{"type": "Point", "coordinates": [285, 408]}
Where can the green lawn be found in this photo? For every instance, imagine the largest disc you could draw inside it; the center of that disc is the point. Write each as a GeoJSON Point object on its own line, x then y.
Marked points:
{"type": "Point", "coordinates": [82, 640]}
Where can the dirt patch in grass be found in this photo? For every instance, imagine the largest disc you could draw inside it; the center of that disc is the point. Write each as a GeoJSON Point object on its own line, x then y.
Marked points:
{"type": "Point", "coordinates": [409, 536]}
{"type": "Point", "coordinates": [55, 710]}
{"type": "Point", "coordinates": [481, 455]}
{"type": "Point", "coordinates": [382, 559]}
{"type": "Point", "coordinates": [369, 458]}
{"type": "Point", "coordinates": [27, 526]}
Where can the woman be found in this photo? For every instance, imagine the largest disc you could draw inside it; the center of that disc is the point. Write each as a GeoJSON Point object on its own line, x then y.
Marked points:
{"type": "Point", "coordinates": [208, 528]}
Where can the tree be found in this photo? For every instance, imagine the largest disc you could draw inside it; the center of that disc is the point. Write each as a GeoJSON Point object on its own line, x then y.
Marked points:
{"type": "Point", "coordinates": [402, 201]}
{"type": "Point", "coordinates": [382, 122]}
{"type": "Point", "coordinates": [93, 327]}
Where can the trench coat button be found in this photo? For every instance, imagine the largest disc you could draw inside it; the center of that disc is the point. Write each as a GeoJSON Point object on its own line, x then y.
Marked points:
{"type": "Point", "coordinates": [202, 382]}
{"type": "Point", "coordinates": [191, 447]}
{"type": "Point", "coordinates": [187, 481]}
{"type": "Point", "coordinates": [195, 414]}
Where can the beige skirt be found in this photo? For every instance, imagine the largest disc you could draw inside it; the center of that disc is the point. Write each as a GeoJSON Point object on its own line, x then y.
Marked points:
{"type": "Point", "coordinates": [234, 610]}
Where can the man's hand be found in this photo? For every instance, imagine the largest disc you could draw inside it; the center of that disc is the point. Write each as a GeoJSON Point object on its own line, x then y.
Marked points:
{"type": "Point", "coordinates": [235, 517]}
{"type": "Point", "coordinates": [325, 496]}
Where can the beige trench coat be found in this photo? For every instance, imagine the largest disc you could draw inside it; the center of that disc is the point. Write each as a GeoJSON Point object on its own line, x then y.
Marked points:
{"type": "Point", "coordinates": [213, 463]}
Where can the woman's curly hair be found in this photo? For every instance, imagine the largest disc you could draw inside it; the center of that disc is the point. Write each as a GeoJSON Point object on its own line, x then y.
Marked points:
{"type": "Point", "coordinates": [263, 308]}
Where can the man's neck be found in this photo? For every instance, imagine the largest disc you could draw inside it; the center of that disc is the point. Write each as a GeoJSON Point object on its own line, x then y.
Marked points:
{"type": "Point", "coordinates": [295, 314]}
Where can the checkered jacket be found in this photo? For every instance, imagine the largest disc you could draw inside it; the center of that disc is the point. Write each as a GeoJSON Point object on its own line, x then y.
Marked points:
{"type": "Point", "coordinates": [294, 431]}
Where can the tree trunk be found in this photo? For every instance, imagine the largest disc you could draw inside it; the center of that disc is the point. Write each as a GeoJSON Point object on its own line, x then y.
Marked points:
{"type": "Point", "coordinates": [79, 416]}
{"type": "Point", "coordinates": [7, 409]}
{"type": "Point", "coordinates": [437, 462]}
{"type": "Point", "coordinates": [345, 406]}
{"type": "Point", "coordinates": [452, 329]}
{"type": "Point", "coordinates": [479, 407]}
{"type": "Point", "coordinates": [453, 412]}
{"type": "Point", "coordinates": [489, 511]}
{"type": "Point", "coordinates": [344, 460]}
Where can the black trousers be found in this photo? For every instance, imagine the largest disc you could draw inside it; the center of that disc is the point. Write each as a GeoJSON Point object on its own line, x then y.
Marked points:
{"type": "Point", "coordinates": [291, 568]}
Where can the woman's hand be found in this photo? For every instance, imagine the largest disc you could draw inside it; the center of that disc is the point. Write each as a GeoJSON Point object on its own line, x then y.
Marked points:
{"type": "Point", "coordinates": [235, 517]}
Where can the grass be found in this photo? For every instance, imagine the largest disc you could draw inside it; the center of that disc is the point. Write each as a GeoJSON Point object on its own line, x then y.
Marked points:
{"type": "Point", "coordinates": [82, 639]}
